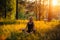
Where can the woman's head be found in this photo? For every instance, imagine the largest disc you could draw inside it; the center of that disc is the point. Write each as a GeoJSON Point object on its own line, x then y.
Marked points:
{"type": "Point", "coordinates": [31, 19]}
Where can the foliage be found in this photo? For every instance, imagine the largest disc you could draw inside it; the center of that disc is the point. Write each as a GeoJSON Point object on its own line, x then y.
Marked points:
{"type": "Point", "coordinates": [8, 9]}
{"type": "Point", "coordinates": [21, 9]}
{"type": "Point", "coordinates": [11, 9]}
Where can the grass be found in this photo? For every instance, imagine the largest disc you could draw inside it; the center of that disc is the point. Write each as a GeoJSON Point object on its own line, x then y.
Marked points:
{"type": "Point", "coordinates": [9, 22]}
{"type": "Point", "coordinates": [44, 31]}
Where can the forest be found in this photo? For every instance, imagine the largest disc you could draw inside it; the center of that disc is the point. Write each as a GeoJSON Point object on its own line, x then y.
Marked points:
{"type": "Point", "coordinates": [15, 14]}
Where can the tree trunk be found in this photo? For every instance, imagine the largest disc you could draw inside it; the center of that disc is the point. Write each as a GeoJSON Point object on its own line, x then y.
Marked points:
{"type": "Point", "coordinates": [17, 9]}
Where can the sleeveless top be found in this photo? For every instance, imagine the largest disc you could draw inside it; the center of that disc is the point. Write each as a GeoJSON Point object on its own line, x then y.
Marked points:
{"type": "Point", "coordinates": [30, 25]}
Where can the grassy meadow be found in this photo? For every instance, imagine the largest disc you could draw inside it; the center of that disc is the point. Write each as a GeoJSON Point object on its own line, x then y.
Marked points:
{"type": "Point", "coordinates": [44, 31]}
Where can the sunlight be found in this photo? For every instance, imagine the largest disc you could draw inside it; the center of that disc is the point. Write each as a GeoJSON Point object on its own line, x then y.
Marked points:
{"type": "Point", "coordinates": [31, 0]}
{"type": "Point", "coordinates": [54, 2]}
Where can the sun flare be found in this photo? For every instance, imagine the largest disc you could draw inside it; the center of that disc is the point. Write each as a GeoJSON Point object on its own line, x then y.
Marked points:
{"type": "Point", "coordinates": [31, 0]}
{"type": "Point", "coordinates": [54, 2]}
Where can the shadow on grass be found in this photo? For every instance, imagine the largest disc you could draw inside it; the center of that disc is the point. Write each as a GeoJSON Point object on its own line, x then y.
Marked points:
{"type": "Point", "coordinates": [9, 22]}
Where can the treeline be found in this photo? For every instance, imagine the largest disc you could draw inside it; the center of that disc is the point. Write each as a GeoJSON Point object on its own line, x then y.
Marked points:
{"type": "Point", "coordinates": [7, 9]}
{"type": "Point", "coordinates": [13, 9]}
{"type": "Point", "coordinates": [21, 9]}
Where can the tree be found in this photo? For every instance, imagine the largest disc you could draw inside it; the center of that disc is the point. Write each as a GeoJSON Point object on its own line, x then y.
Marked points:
{"type": "Point", "coordinates": [50, 12]}
{"type": "Point", "coordinates": [2, 8]}
{"type": "Point", "coordinates": [8, 9]}
{"type": "Point", "coordinates": [11, 9]}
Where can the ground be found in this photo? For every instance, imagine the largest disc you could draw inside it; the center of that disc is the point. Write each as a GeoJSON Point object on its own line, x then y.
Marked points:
{"type": "Point", "coordinates": [44, 31]}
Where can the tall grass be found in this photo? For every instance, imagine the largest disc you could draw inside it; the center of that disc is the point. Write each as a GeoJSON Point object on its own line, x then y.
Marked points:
{"type": "Point", "coordinates": [44, 31]}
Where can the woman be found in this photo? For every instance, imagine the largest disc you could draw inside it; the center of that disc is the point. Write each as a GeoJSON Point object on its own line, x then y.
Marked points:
{"type": "Point", "coordinates": [30, 25]}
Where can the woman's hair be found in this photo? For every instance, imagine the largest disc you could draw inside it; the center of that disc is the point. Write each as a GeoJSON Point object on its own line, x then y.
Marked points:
{"type": "Point", "coordinates": [31, 18]}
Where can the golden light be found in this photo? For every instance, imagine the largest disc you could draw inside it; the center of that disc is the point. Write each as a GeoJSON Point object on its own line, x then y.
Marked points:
{"type": "Point", "coordinates": [54, 2]}
{"type": "Point", "coordinates": [31, 0]}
